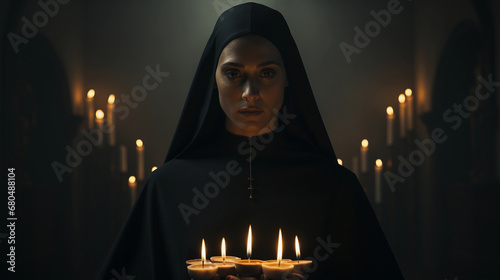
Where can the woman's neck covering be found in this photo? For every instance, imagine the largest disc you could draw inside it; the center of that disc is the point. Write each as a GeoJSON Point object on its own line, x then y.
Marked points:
{"type": "Point", "coordinates": [202, 115]}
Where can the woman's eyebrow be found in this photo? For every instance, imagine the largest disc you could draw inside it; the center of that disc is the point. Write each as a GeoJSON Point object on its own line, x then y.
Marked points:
{"type": "Point", "coordinates": [239, 65]}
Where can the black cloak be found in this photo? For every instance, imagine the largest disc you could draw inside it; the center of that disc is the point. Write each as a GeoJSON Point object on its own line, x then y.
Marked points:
{"type": "Point", "coordinates": [201, 191]}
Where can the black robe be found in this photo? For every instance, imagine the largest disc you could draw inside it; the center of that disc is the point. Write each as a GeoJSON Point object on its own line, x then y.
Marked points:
{"type": "Point", "coordinates": [201, 191]}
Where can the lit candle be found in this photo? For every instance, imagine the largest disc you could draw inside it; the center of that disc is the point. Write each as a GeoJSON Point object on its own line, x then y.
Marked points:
{"type": "Point", "coordinates": [299, 265]}
{"type": "Point", "coordinates": [153, 169]}
{"type": "Point", "coordinates": [378, 183]}
{"type": "Point", "coordinates": [277, 270]}
{"type": "Point", "coordinates": [225, 269]}
{"type": "Point", "coordinates": [90, 108]}
{"type": "Point", "coordinates": [99, 119]}
{"type": "Point", "coordinates": [123, 158]}
{"type": "Point", "coordinates": [364, 155]}
{"type": "Point", "coordinates": [390, 125]}
{"type": "Point", "coordinates": [339, 161]}
{"type": "Point", "coordinates": [140, 159]}
{"type": "Point", "coordinates": [355, 165]}
{"type": "Point", "coordinates": [132, 183]}
{"type": "Point", "coordinates": [248, 268]}
{"type": "Point", "coordinates": [402, 106]}
{"type": "Point", "coordinates": [409, 100]}
{"type": "Point", "coordinates": [112, 132]}
{"type": "Point", "coordinates": [202, 271]}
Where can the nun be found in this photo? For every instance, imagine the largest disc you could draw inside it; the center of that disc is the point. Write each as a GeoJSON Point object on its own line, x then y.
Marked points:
{"type": "Point", "coordinates": [251, 148]}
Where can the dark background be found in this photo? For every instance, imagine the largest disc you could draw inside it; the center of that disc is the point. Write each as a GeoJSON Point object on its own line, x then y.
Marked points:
{"type": "Point", "coordinates": [441, 222]}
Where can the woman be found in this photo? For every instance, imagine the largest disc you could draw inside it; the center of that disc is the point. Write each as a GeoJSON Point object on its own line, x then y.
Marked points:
{"type": "Point", "coordinates": [251, 149]}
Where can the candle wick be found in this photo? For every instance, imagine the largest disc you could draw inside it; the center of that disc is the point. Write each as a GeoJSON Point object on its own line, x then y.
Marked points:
{"type": "Point", "coordinates": [279, 263]}
{"type": "Point", "coordinates": [202, 264]}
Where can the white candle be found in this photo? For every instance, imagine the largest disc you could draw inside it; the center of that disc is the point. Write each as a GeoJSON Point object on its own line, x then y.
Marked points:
{"type": "Point", "coordinates": [140, 159]}
{"type": "Point", "coordinates": [90, 108]}
{"type": "Point", "coordinates": [364, 155]}
{"type": "Point", "coordinates": [390, 125]}
{"type": "Point", "coordinates": [409, 108]}
{"type": "Point", "coordinates": [402, 113]}
{"type": "Point", "coordinates": [112, 132]}
{"type": "Point", "coordinates": [378, 183]}
{"type": "Point", "coordinates": [339, 161]}
{"type": "Point", "coordinates": [99, 119]}
{"type": "Point", "coordinates": [355, 166]}
{"type": "Point", "coordinates": [133, 189]}
{"type": "Point", "coordinates": [123, 158]}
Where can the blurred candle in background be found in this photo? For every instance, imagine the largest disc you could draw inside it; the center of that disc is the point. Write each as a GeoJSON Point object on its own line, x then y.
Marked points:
{"type": "Point", "coordinates": [123, 158]}
{"type": "Point", "coordinates": [90, 108]}
{"type": "Point", "coordinates": [355, 165]}
{"type": "Point", "coordinates": [409, 109]}
{"type": "Point", "coordinates": [378, 182]}
{"type": "Point", "coordinates": [153, 169]}
{"type": "Point", "coordinates": [390, 125]}
{"type": "Point", "coordinates": [364, 156]}
{"type": "Point", "coordinates": [402, 109]}
{"type": "Point", "coordinates": [133, 189]}
{"type": "Point", "coordinates": [112, 132]}
{"type": "Point", "coordinates": [99, 120]}
{"type": "Point", "coordinates": [140, 159]}
{"type": "Point", "coordinates": [339, 161]}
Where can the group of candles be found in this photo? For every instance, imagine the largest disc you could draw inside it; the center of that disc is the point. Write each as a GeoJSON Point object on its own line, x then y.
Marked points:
{"type": "Point", "coordinates": [98, 117]}
{"type": "Point", "coordinates": [201, 269]}
{"type": "Point", "coordinates": [405, 124]}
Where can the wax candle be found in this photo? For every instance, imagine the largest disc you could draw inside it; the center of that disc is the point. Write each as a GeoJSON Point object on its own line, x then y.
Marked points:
{"type": "Point", "coordinates": [402, 113]}
{"type": "Point", "coordinates": [355, 165]}
{"type": "Point", "coordinates": [123, 158]}
{"type": "Point", "coordinates": [277, 270]}
{"type": "Point", "coordinates": [299, 265]}
{"type": "Point", "coordinates": [378, 183]}
{"type": "Point", "coordinates": [390, 125]}
{"type": "Point", "coordinates": [203, 271]}
{"type": "Point", "coordinates": [140, 159]}
{"type": "Point", "coordinates": [111, 122]}
{"type": "Point", "coordinates": [132, 183]}
{"type": "Point", "coordinates": [225, 267]}
{"type": "Point", "coordinates": [409, 108]}
{"type": "Point", "coordinates": [339, 161]}
{"type": "Point", "coordinates": [248, 267]}
{"type": "Point", "coordinates": [364, 156]}
{"type": "Point", "coordinates": [90, 108]}
{"type": "Point", "coordinates": [99, 119]}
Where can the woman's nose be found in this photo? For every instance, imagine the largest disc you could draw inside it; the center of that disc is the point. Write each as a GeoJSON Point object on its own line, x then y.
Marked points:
{"type": "Point", "coordinates": [250, 90]}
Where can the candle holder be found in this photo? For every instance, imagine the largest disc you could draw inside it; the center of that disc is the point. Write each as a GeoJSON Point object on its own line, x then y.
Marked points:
{"type": "Point", "coordinates": [202, 272]}
{"type": "Point", "coordinates": [300, 265]}
{"type": "Point", "coordinates": [277, 271]}
{"type": "Point", "coordinates": [248, 268]}
{"type": "Point", "coordinates": [218, 259]}
{"type": "Point", "coordinates": [226, 269]}
{"type": "Point", "coordinates": [196, 261]}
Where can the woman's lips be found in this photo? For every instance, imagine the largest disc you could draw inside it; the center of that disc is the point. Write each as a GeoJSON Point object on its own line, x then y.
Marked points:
{"type": "Point", "coordinates": [251, 112]}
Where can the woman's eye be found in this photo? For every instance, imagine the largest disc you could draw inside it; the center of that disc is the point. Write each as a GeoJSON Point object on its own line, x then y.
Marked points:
{"type": "Point", "coordinates": [233, 74]}
{"type": "Point", "coordinates": [268, 73]}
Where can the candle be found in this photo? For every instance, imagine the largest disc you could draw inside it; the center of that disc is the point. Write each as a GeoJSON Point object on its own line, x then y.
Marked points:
{"type": "Point", "coordinates": [378, 183]}
{"type": "Point", "coordinates": [132, 183]}
{"type": "Point", "coordinates": [111, 124]}
{"type": "Point", "coordinates": [202, 271]}
{"type": "Point", "coordinates": [90, 108]}
{"type": "Point", "coordinates": [140, 159]}
{"type": "Point", "coordinates": [364, 155]}
{"type": "Point", "coordinates": [390, 125]}
{"type": "Point", "coordinates": [99, 119]}
{"type": "Point", "coordinates": [409, 100]}
{"type": "Point", "coordinates": [225, 269]}
{"type": "Point", "coordinates": [299, 265]}
{"type": "Point", "coordinates": [153, 169]}
{"type": "Point", "coordinates": [277, 270]}
{"type": "Point", "coordinates": [123, 158]}
{"type": "Point", "coordinates": [339, 161]}
{"type": "Point", "coordinates": [248, 268]}
{"type": "Point", "coordinates": [355, 168]}
{"type": "Point", "coordinates": [402, 106]}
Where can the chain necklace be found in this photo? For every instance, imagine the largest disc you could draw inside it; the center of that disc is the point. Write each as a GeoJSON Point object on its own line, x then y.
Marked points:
{"type": "Point", "coordinates": [250, 178]}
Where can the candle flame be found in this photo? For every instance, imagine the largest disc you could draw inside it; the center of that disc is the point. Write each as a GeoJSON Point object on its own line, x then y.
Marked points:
{"type": "Point", "coordinates": [408, 92]}
{"type": "Point", "coordinates": [203, 254]}
{"type": "Point", "coordinates": [378, 162]}
{"type": "Point", "coordinates": [91, 94]}
{"type": "Point", "coordinates": [139, 143]}
{"type": "Point", "coordinates": [390, 111]}
{"type": "Point", "coordinates": [297, 247]}
{"type": "Point", "coordinates": [364, 143]}
{"type": "Point", "coordinates": [99, 114]}
{"type": "Point", "coordinates": [280, 249]}
{"type": "Point", "coordinates": [339, 161]}
{"type": "Point", "coordinates": [154, 168]}
{"type": "Point", "coordinates": [223, 250]}
{"type": "Point", "coordinates": [401, 98]}
{"type": "Point", "coordinates": [111, 99]}
{"type": "Point", "coordinates": [131, 179]}
{"type": "Point", "coordinates": [249, 242]}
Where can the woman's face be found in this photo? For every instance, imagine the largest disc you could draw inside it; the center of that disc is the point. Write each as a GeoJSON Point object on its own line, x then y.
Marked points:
{"type": "Point", "coordinates": [251, 80]}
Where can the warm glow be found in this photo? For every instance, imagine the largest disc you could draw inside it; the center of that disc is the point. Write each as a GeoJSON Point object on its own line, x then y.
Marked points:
{"type": "Point", "coordinates": [249, 242]}
{"type": "Point", "coordinates": [364, 143]}
{"type": "Point", "coordinates": [91, 94]}
{"type": "Point", "coordinates": [297, 247]}
{"type": "Point", "coordinates": [154, 168]}
{"type": "Point", "coordinates": [408, 92]}
{"type": "Point", "coordinates": [139, 143]}
{"type": "Point", "coordinates": [131, 179]}
{"type": "Point", "coordinates": [111, 99]}
{"type": "Point", "coordinates": [378, 163]}
{"type": "Point", "coordinates": [280, 248]}
{"type": "Point", "coordinates": [401, 98]}
{"type": "Point", "coordinates": [339, 161]}
{"type": "Point", "coordinates": [99, 114]}
{"type": "Point", "coordinates": [390, 111]}
{"type": "Point", "coordinates": [223, 250]}
{"type": "Point", "coordinates": [203, 254]}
